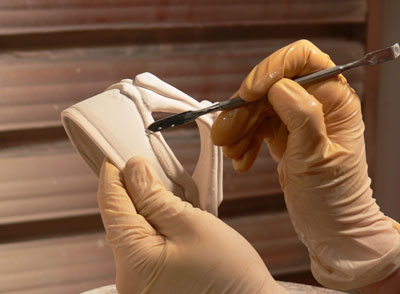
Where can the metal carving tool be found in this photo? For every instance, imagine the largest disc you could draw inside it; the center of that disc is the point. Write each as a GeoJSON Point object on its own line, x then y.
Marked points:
{"type": "Point", "coordinates": [370, 59]}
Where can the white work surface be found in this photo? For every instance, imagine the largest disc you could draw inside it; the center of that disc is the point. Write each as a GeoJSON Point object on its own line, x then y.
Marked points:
{"type": "Point", "coordinates": [293, 288]}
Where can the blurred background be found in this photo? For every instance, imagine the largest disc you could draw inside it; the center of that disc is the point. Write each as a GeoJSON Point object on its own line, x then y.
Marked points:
{"type": "Point", "coordinates": [56, 53]}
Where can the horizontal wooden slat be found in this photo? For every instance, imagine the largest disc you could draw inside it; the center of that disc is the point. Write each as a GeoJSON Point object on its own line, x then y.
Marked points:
{"type": "Point", "coordinates": [48, 180]}
{"type": "Point", "coordinates": [45, 186]}
{"type": "Point", "coordinates": [60, 265]}
{"type": "Point", "coordinates": [43, 178]}
{"type": "Point", "coordinates": [73, 264]}
{"type": "Point", "coordinates": [39, 16]}
{"type": "Point", "coordinates": [36, 86]}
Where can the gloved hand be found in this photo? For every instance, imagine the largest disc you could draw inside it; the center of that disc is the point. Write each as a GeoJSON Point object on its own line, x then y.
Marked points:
{"type": "Point", "coordinates": [316, 135]}
{"type": "Point", "coordinates": [162, 244]}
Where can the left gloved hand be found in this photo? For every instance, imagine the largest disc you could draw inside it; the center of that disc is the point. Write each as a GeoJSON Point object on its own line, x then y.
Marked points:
{"type": "Point", "coordinates": [162, 244]}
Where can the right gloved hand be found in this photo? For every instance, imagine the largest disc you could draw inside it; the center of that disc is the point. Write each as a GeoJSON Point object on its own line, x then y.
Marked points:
{"type": "Point", "coordinates": [162, 244]}
{"type": "Point", "coordinates": [316, 135]}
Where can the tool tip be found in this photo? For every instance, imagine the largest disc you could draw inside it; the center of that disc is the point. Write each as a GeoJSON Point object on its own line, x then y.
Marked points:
{"type": "Point", "coordinates": [173, 120]}
{"type": "Point", "coordinates": [396, 50]}
{"type": "Point", "coordinates": [148, 132]}
{"type": "Point", "coordinates": [154, 128]}
{"type": "Point", "coordinates": [383, 55]}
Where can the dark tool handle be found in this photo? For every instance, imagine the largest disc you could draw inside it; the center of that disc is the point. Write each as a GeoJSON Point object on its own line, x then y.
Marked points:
{"type": "Point", "coordinates": [314, 77]}
{"type": "Point", "coordinates": [232, 103]}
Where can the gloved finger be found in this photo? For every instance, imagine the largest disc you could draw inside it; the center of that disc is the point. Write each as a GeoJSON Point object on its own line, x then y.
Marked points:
{"type": "Point", "coordinates": [341, 106]}
{"type": "Point", "coordinates": [245, 151]}
{"type": "Point", "coordinates": [295, 60]}
{"type": "Point", "coordinates": [245, 162]}
{"type": "Point", "coordinates": [239, 148]}
{"type": "Point", "coordinates": [158, 206]}
{"type": "Point", "coordinates": [301, 113]}
{"type": "Point", "coordinates": [232, 124]}
{"type": "Point", "coordinates": [277, 138]}
{"type": "Point", "coordinates": [119, 215]}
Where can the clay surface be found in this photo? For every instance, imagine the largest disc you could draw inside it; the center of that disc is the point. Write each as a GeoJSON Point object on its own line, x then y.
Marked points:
{"type": "Point", "coordinates": [113, 123]}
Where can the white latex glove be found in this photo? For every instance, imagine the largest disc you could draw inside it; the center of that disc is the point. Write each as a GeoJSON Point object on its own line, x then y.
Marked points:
{"type": "Point", "coordinates": [162, 244]}
{"type": "Point", "coordinates": [316, 135]}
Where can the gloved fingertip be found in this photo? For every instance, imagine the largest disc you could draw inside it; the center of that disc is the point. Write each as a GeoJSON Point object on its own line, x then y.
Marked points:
{"type": "Point", "coordinates": [140, 177]}
{"type": "Point", "coordinates": [216, 130]}
{"type": "Point", "coordinates": [229, 126]}
{"type": "Point", "coordinates": [109, 174]}
{"type": "Point", "coordinates": [135, 172]}
{"type": "Point", "coordinates": [112, 196]}
{"type": "Point", "coordinates": [109, 169]}
{"type": "Point", "coordinates": [247, 160]}
{"type": "Point", "coordinates": [133, 164]}
{"type": "Point", "coordinates": [240, 165]}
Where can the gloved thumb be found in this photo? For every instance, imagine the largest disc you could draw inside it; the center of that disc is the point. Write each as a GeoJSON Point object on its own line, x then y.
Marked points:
{"type": "Point", "coordinates": [121, 221]}
{"type": "Point", "coordinates": [158, 206]}
{"type": "Point", "coordinates": [301, 113]}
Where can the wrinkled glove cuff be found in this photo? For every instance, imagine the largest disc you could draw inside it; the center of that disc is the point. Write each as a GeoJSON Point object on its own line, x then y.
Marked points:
{"type": "Point", "coordinates": [359, 273]}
